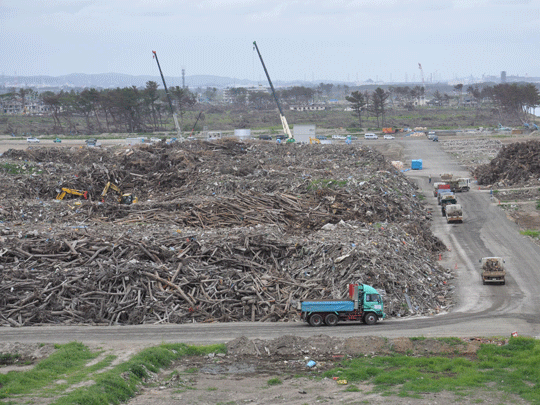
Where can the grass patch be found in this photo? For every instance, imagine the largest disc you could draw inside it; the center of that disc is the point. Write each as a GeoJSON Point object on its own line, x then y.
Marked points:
{"type": "Point", "coordinates": [274, 381]}
{"type": "Point", "coordinates": [538, 204]}
{"type": "Point", "coordinates": [512, 369]}
{"type": "Point", "coordinates": [8, 358]}
{"type": "Point", "coordinates": [109, 387]}
{"type": "Point", "coordinates": [531, 233]}
{"type": "Point", "coordinates": [67, 360]}
{"type": "Point", "coordinates": [453, 341]}
{"type": "Point", "coordinates": [11, 168]}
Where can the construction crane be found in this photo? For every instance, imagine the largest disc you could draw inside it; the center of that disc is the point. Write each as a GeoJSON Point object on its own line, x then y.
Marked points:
{"type": "Point", "coordinates": [194, 125]}
{"type": "Point", "coordinates": [175, 116]}
{"type": "Point", "coordinates": [421, 73]}
{"type": "Point", "coordinates": [286, 128]}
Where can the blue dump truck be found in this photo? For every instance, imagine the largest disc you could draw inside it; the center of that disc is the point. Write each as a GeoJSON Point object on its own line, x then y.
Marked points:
{"type": "Point", "coordinates": [364, 304]}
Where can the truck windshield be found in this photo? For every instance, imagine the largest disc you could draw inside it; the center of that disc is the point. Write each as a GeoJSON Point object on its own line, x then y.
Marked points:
{"type": "Point", "coordinates": [373, 298]}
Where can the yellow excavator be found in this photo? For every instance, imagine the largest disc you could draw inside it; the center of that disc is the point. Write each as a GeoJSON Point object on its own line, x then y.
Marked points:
{"type": "Point", "coordinates": [65, 191]}
{"type": "Point", "coordinates": [123, 198]}
{"type": "Point", "coordinates": [313, 140]}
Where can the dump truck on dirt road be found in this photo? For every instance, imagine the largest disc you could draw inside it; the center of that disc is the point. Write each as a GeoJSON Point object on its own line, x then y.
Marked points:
{"type": "Point", "coordinates": [364, 304]}
{"type": "Point", "coordinates": [447, 199]}
{"type": "Point", "coordinates": [439, 185]}
{"type": "Point", "coordinates": [459, 185]}
{"type": "Point", "coordinates": [454, 213]}
{"type": "Point", "coordinates": [493, 271]}
{"type": "Point", "coordinates": [441, 193]}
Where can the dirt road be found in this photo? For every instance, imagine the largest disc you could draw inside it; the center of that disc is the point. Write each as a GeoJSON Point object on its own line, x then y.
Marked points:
{"type": "Point", "coordinates": [481, 310]}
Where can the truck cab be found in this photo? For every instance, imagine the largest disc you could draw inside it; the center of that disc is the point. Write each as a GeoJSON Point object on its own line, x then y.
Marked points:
{"type": "Point", "coordinates": [442, 192]}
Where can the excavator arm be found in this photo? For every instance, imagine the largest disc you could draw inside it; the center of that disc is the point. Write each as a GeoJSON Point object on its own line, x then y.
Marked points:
{"type": "Point", "coordinates": [123, 198]}
{"type": "Point", "coordinates": [65, 191]}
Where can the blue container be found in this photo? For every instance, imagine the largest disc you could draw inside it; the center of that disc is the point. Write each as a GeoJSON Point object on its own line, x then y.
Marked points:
{"type": "Point", "coordinates": [416, 164]}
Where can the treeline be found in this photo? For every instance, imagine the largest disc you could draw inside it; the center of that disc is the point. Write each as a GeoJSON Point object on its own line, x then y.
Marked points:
{"type": "Point", "coordinates": [510, 100]}
{"type": "Point", "coordinates": [127, 109]}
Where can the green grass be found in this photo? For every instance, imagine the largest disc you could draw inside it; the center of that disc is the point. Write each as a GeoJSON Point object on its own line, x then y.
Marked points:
{"type": "Point", "coordinates": [512, 369]}
{"type": "Point", "coordinates": [531, 233]}
{"type": "Point", "coordinates": [274, 381]}
{"type": "Point", "coordinates": [538, 204]}
{"type": "Point", "coordinates": [67, 360]}
{"type": "Point", "coordinates": [67, 366]}
{"type": "Point", "coordinates": [10, 168]}
{"type": "Point", "coordinates": [8, 358]}
{"type": "Point", "coordinates": [452, 341]}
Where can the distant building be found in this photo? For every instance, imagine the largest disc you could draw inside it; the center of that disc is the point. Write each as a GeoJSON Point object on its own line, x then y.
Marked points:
{"type": "Point", "coordinates": [312, 107]}
{"type": "Point", "coordinates": [503, 76]}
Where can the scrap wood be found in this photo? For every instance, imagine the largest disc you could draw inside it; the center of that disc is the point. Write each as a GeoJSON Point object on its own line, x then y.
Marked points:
{"type": "Point", "coordinates": [224, 231]}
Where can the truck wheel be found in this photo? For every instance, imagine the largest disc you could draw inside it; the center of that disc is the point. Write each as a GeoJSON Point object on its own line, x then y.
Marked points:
{"type": "Point", "coordinates": [370, 318]}
{"type": "Point", "coordinates": [331, 319]}
{"type": "Point", "coordinates": [315, 320]}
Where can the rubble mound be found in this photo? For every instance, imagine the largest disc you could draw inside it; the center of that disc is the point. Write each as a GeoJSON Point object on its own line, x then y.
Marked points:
{"type": "Point", "coordinates": [515, 164]}
{"type": "Point", "coordinates": [223, 231]}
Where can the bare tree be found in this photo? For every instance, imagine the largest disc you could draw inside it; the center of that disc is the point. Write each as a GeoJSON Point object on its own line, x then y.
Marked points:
{"type": "Point", "coordinates": [358, 104]}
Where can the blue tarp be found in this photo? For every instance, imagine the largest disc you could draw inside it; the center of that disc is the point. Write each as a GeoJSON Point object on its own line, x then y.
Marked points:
{"type": "Point", "coordinates": [416, 164]}
{"type": "Point", "coordinates": [327, 306]}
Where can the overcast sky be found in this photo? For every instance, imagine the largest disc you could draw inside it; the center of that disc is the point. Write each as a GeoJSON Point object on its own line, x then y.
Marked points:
{"type": "Point", "coordinates": [313, 40]}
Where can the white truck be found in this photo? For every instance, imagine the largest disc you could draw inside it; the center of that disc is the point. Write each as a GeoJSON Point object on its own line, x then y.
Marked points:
{"type": "Point", "coordinates": [454, 213]}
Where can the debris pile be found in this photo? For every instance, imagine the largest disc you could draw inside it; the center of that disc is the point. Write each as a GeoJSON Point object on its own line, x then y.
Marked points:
{"type": "Point", "coordinates": [516, 164]}
{"type": "Point", "coordinates": [472, 152]}
{"type": "Point", "coordinates": [224, 231]}
{"type": "Point", "coordinates": [492, 265]}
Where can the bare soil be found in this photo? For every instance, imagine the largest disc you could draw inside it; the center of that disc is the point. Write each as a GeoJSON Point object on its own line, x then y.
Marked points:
{"type": "Point", "coordinates": [245, 374]}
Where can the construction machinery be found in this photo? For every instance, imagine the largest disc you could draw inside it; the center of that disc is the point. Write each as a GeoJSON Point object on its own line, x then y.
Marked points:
{"type": "Point", "coordinates": [194, 125]}
{"type": "Point", "coordinates": [175, 116]}
{"type": "Point", "coordinates": [459, 185]}
{"type": "Point", "coordinates": [286, 128]}
{"type": "Point", "coordinates": [493, 271]}
{"type": "Point", "coordinates": [66, 191]}
{"type": "Point", "coordinates": [123, 198]}
{"type": "Point", "coordinates": [364, 304]}
{"type": "Point", "coordinates": [454, 213]}
{"type": "Point", "coordinates": [447, 199]}
{"type": "Point", "coordinates": [313, 140]}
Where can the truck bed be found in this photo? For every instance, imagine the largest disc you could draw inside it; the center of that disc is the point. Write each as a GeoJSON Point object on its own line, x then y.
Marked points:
{"type": "Point", "coordinates": [328, 306]}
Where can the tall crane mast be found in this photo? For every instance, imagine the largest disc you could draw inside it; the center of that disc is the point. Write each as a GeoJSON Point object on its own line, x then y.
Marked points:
{"type": "Point", "coordinates": [286, 128]}
{"type": "Point", "coordinates": [421, 73]}
{"type": "Point", "coordinates": [175, 116]}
